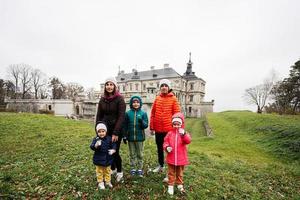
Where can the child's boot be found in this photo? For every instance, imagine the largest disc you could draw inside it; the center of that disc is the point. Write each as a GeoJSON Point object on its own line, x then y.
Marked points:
{"type": "Point", "coordinates": [101, 186]}
{"type": "Point", "coordinates": [108, 184]}
{"type": "Point", "coordinates": [132, 172]}
{"type": "Point", "coordinates": [171, 189]}
{"type": "Point", "coordinates": [119, 176]}
{"type": "Point", "coordinates": [180, 188]}
{"type": "Point", "coordinates": [140, 173]}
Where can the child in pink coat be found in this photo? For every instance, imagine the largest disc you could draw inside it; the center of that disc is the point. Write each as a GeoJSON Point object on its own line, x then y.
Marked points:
{"type": "Point", "coordinates": [175, 145]}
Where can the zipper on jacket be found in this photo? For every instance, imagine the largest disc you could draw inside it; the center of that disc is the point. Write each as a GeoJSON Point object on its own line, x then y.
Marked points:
{"type": "Point", "coordinates": [176, 138]}
{"type": "Point", "coordinates": [134, 123]}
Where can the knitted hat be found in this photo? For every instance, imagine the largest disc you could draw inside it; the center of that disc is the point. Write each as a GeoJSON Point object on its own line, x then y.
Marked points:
{"type": "Point", "coordinates": [101, 126]}
{"type": "Point", "coordinates": [177, 119]}
{"type": "Point", "coordinates": [135, 99]}
{"type": "Point", "coordinates": [113, 80]}
{"type": "Point", "coordinates": [165, 81]}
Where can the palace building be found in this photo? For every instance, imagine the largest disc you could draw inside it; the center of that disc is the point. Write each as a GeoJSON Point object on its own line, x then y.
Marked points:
{"type": "Point", "coordinates": [188, 88]}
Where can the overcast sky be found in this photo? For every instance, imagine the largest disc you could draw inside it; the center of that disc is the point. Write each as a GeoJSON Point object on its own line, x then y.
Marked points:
{"type": "Point", "coordinates": [234, 43]}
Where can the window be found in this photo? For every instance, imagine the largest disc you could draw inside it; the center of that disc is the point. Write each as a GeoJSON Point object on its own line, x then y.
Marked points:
{"type": "Point", "coordinates": [144, 86]}
{"type": "Point", "coordinates": [157, 84]}
{"type": "Point", "coordinates": [130, 86]}
{"type": "Point", "coordinates": [191, 98]}
{"type": "Point", "coordinates": [136, 86]}
{"type": "Point", "coordinates": [190, 109]}
{"type": "Point", "coordinates": [192, 86]}
{"type": "Point", "coordinates": [124, 88]}
{"type": "Point", "coordinates": [49, 107]}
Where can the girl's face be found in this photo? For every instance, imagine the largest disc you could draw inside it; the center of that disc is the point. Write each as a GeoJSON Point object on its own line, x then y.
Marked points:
{"type": "Point", "coordinates": [176, 125]}
{"type": "Point", "coordinates": [101, 133]}
{"type": "Point", "coordinates": [109, 87]}
{"type": "Point", "coordinates": [136, 104]}
{"type": "Point", "coordinates": [164, 89]}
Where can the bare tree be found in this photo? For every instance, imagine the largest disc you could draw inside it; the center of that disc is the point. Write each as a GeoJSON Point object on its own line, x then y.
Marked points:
{"type": "Point", "coordinates": [73, 90]}
{"type": "Point", "coordinates": [258, 95]}
{"type": "Point", "coordinates": [14, 73]}
{"type": "Point", "coordinates": [38, 81]}
{"type": "Point", "coordinates": [25, 76]}
{"type": "Point", "coordinates": [90, 93]}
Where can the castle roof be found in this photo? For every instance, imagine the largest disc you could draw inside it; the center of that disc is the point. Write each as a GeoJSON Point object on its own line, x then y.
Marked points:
{"type": "Point", "coordinates": [166, 72]}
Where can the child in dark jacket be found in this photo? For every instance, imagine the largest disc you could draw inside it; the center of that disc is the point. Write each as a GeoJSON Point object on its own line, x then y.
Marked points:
{"type": "Point", "coordinates": [102, 159]}
{"type": "Point", "coordinates": [136, 121]}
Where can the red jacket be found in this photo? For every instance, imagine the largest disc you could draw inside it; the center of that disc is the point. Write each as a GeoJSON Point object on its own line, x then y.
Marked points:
{"type": "Point", "coordinates": [178, 155]}
{"type": "Point", "coordinates": [162, 111]}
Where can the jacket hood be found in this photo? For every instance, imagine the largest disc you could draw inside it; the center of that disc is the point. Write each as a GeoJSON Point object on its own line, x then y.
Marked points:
{"type": "Point", "coordinates": [179, 115]}
{"type": "Point", "coordinates": [131, 101]}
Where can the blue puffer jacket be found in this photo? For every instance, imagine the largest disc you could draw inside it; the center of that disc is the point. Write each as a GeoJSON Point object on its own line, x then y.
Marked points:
{"type": "Point", "coordinates": [101, 156]}
{"type": "Point", "coordinates": [136, 121]}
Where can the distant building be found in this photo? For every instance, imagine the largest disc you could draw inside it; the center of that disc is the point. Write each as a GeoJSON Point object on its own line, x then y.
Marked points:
{"type": "Point", "coordinates": [188, 88]}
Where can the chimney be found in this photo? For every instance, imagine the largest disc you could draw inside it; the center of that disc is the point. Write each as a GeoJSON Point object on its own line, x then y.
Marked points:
{"type": "Point", "coordinates": [166, 65]}
{"type": "Point", "coordinates": [152, 67]}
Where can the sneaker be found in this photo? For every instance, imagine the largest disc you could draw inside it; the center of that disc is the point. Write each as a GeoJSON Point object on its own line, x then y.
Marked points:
{"type": "Point", "coordinates": [171, 189]}
{"type": "Point", "coordinates": [101, 186]}
{"type": "Point", "coordinates": [108, 184]}
{"type": "Point", "coordinates": [158, 169]}
{"type": "Point", "coordinates": [132, 172]}
{"type": "Point", "coordinates": [180, 188]}
{"type": "Point", "coordinates": [119, 176]}
{"type": "Point", "coordinates": [166, 180]}
{"type": "Point", "coordinates": [140, 173]}
{"type": "Point", "coordinates": [114, 172]}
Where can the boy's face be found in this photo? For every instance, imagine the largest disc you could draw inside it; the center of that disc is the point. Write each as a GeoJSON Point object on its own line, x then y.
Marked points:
{"type": "Point", "coordinates": [164, 89]}
{"type": "Point", "coordinates": [101, 133]}
{"type": "Point", "coordinates": [136, 104]}
{"type": "Point", "coordinates": [176, 125]}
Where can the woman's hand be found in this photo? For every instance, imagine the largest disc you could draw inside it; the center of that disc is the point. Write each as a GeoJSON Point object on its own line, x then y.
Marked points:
{"type": "Point", "coordinates": [115, 138]}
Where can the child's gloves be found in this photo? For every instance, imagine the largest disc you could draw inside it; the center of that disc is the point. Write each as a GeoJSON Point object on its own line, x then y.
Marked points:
{"type": "Point", "coordinates": [124, 140]}
{"type": "Point", "coordinates": [98, 144]}
{"type": "Point", "coordinates": [169, 149]}
{"type": "Point", "coordinates": [111, 151]}
{"type": "Point", "coordinates": [181, 131]}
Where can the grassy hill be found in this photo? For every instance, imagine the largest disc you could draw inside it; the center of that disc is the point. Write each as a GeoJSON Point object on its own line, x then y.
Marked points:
{"type": "Point", "coordinates": [250, 157]}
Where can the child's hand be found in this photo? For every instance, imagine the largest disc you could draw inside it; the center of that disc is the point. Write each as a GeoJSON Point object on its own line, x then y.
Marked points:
{"type": "Point", "coordinates": [181, 131]}
{"type": "Point", "coordinates": [98, 144]}
{"type": "Point", "coordinates": [169, 149]}
{"type": "Point", "coordinates": [111, 151]}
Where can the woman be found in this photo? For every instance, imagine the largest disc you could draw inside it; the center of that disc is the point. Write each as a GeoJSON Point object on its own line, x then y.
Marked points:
{"type": "Point", "coordinates": [111, 110]}
{"type": "Point", "coordinates": [164, 107]}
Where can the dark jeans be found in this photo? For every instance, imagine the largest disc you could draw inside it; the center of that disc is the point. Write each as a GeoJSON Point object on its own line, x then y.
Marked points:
{"type": "Point", "coordinates": [117, 163]}
{"type": "Point", "coordinates": [159, 139]}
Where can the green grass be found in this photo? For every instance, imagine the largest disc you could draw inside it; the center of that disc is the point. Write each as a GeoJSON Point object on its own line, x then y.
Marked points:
{"type": "Point", "coordinates": [250, 156]}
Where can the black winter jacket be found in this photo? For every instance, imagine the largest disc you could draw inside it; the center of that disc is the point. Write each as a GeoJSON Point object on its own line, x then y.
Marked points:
{"type": "Point", "coordinates": [112, 111]}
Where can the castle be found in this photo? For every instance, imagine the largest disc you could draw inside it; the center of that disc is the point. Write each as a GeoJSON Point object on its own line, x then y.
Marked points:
{"type": "Point", "coordinates": [188, 88]}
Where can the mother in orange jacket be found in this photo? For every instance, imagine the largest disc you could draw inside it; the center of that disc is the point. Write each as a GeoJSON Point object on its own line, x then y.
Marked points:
{"type": "Point", "coordinates": [164, 107]}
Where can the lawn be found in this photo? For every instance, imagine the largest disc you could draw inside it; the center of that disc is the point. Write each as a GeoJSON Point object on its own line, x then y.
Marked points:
{"type": "Point", "coordinates": [250, 156]}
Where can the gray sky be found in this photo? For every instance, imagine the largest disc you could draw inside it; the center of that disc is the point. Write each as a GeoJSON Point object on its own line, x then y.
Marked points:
{"type": "Point", "coordinates": [234, 43]}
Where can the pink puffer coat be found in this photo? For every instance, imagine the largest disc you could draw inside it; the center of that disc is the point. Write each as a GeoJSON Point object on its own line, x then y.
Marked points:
{"type": "Point", "coordinates": [178, 156]}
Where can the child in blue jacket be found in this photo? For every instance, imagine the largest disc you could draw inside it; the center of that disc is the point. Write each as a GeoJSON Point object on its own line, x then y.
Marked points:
{"type": "Point", "coordinates": [103, 148]}
{"type": "Point", "coordinates": [136, 121]}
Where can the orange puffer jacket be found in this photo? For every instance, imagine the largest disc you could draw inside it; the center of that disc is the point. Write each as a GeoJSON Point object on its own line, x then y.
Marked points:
{"type": "Point", "coordinates": [162, 111]}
